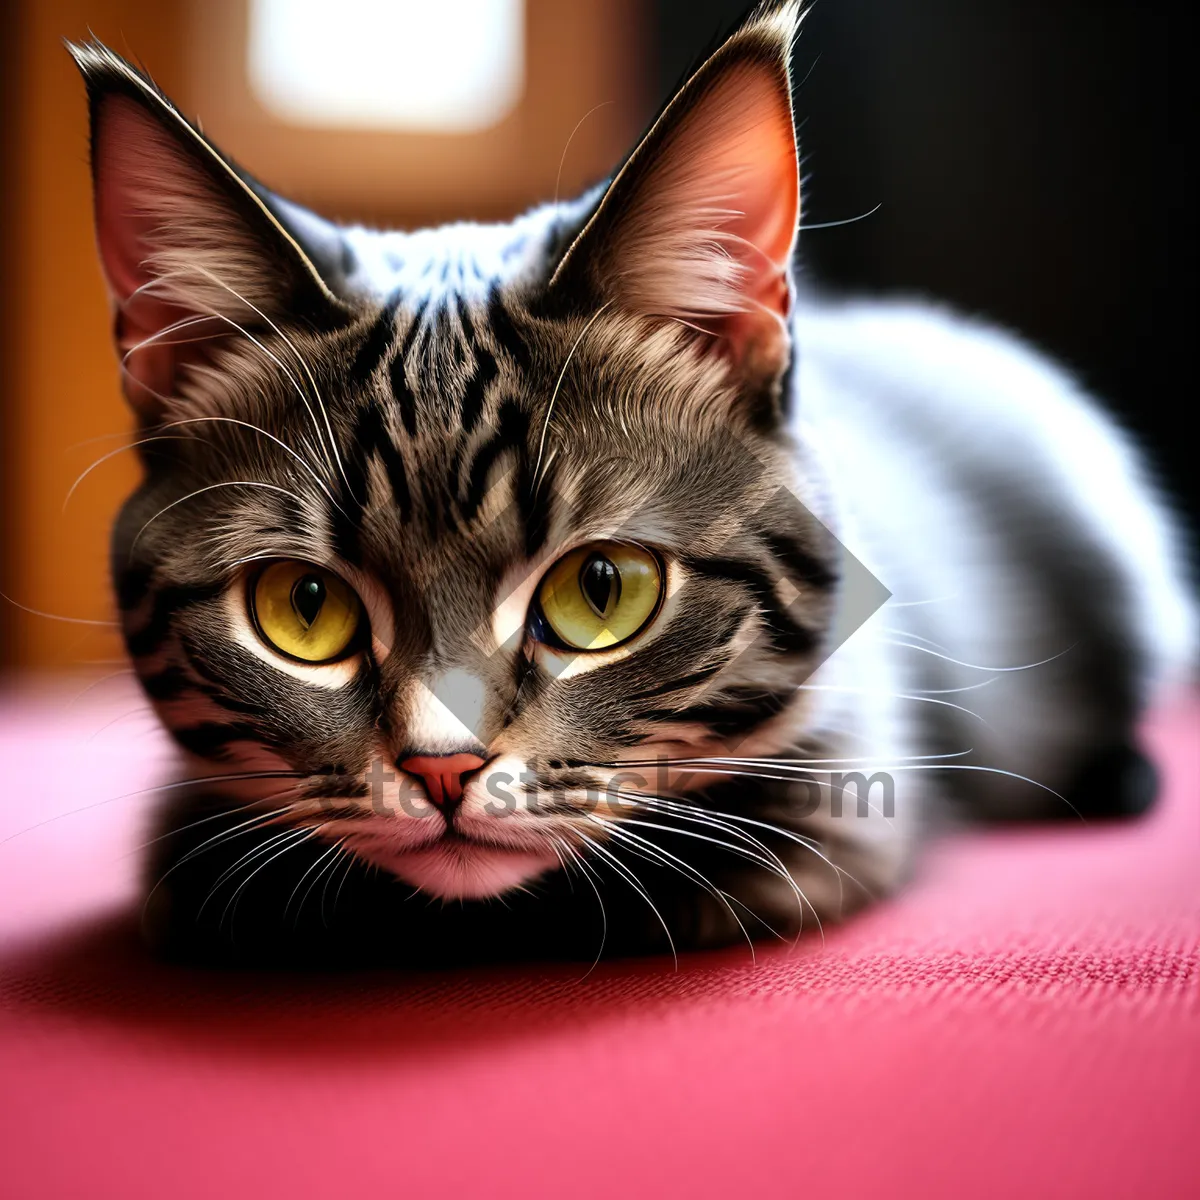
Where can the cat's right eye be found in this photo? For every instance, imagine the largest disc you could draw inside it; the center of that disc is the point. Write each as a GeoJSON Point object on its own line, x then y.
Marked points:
{"type": "Point", "coordinates": [306, 612]}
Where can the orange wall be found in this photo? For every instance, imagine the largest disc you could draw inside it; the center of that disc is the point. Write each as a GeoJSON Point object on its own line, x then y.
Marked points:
{"type": "Point", "coordinates": [62, 407]}
{"type": "Point", "coordinates": [61, 383]}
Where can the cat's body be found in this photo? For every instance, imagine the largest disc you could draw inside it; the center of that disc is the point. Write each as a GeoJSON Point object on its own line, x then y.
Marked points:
{"type": "Point", "coordinates": [1028, 528]}
{"type": "Point", "coordinates": [578, 492]}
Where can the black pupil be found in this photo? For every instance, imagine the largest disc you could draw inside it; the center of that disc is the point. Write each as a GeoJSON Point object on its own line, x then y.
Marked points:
{"type": "Point", "coordinates": [600, 582]}
{"type": "Point", "coordinates": [308, 595]}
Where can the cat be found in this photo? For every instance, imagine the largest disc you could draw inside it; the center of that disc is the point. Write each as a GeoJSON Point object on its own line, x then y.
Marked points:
{"type": "Point", "coordinates": [587, 584]}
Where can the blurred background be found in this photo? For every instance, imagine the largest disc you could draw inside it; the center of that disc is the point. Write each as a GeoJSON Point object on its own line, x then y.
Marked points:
{"type": "Point", "coordinates": [1022, 159]}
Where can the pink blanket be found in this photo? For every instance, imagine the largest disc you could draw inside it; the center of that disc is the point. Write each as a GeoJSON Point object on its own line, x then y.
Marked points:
{"type": "Point", "coordinates": [1024, 1021]}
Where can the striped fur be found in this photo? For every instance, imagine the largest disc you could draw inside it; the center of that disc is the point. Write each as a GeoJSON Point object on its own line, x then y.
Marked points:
{"type": "Point", "coordinates": [437, 417]}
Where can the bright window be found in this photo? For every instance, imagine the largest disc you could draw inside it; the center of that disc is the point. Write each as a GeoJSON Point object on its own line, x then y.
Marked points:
{"type": "Point", "coordinates": [438, 66]}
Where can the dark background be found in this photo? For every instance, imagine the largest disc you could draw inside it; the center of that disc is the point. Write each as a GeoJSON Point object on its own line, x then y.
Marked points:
{"type": "Point", "coordinates": [1031, 164]}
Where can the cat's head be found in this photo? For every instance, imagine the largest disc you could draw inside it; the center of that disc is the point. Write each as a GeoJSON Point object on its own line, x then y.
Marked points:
{"type": "Point", "coordinates": [440, 529]}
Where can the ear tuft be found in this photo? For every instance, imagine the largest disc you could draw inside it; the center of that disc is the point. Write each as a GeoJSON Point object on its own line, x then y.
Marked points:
{"type": "Point", "coordinates": [187, 244]}
{"type": "Point", "coordinates": [699, 225]}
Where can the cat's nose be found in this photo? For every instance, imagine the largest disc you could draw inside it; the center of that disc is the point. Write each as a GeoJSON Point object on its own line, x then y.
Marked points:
{"type": "Point", "coordinates": [444, 775]}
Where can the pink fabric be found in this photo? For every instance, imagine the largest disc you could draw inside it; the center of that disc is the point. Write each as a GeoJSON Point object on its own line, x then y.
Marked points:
{"type": "Point", "coordinates": [1024, 1021]}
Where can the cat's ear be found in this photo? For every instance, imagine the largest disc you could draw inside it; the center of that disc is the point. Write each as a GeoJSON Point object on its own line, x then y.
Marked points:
{"type": "Point", "coordinates": [699, 224]}
{"type": "Point", "coordinates": [191, 248]}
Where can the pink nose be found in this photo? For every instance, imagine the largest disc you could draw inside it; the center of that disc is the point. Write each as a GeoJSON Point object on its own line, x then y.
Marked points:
{"type": "Point", "coordinates": [443, 774]}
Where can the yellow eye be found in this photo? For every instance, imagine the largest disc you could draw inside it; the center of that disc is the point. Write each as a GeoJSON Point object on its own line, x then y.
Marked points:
{"type": "Point", "coordinates": [305, 612]}
{"type": "Point", "coordinates": [600, 595]}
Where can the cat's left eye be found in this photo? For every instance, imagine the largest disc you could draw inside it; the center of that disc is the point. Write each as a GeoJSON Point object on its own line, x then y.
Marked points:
{"type": "Point", "coordinates": [306, 612]}
{"type": "Point", "coordinates": [598, 596]}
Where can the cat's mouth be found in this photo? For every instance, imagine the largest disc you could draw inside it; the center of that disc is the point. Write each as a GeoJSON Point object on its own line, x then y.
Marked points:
{"type": "Point", "coordinates": [462, 869]}
{"type": "Point", "coordinates": [457, 867]}
{"type": "Point", "coordinates": [450, 843]}
{"type": "Point", "coordinates": [442, 859]}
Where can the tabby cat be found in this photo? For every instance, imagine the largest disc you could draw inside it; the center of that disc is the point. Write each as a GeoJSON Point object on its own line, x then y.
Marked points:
{"type": "Point", "coordinates": [585, 583]}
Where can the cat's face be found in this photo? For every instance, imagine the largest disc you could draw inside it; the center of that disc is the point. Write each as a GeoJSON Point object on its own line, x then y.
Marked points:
{"type": "Point", "coordinates": [451, 539]}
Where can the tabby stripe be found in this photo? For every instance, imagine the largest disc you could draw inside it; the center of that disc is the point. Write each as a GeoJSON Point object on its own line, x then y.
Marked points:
{"type": "Point", "coordinates": [504, 331]}
{"type": "Point", "coordinates": [786, 635]}
{"type": "Point", "coordinates": [335, 787]}
{"type": "Point", "coordinates": [452, 473]}
{"type": "Point", "coordinates": [393, 464]}
{"type": "Point", "coordinates": [378, 341]}
{"type": "Point", "coordinates": [736, 712]}
{"type": "Point", "coordinates": [347, 517]}
{"type": "Point", "coordinates": [719, 643]}
{"type": "Point", "coordinates": [464, 318]}
{"type": "Point", "coordinates": [511, 432]}
{"type": "Point", "coordinates": [132, 585]}
{"type": "Point", "coordinates": [216, 688]}
{"type": "Point", "coordinates": [678, 685]}
{"type": "Point", "coordinates": [535, 505]}
{"type": "Point", "coordinates": [800, 564]}
{"type": "Point", "coordinates": [210, 740]}
{"type": "Point", "coordinates": [473, 394]}
{"type": "Point", "coordinates": [166, 604]}
{"type": "Point", "coordinates": [168, 684]}
{"type": "Point", "coordinates": [406, 401]}
{"type": "Point", "coordinates": [370, 437]}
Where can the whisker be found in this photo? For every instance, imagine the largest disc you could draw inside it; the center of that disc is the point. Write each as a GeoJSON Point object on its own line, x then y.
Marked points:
{"type": "Point", "coordinates": [703, 816]}
{"type": "Point", "coordinates": [151, 791]}
{"type": "Point", "coordinates": [329, 873]}
{"type": "Point", "coordinates": [253, 483]}
{"type": "Point", "coordinates": [141, 710]}
{"type": "Point", "coordinates": [940, 766]}
{"type": "Point", "coordinates": [916, 637]}
{"type": "Point", "coordinates": [223, 836]}
{"type": "Point", "coordinates": [215, 816]}
{"type": "Point", "coordinates": [307, 370]}
{"type": "Point", "coordinates": [703, 758]}
{"type": "Point", "coordinates": [99, 682]}
{"type": "Point", "coordinates": [970, 687]}
{"type": "Point", "coordinates": [571, 857]}
{"type": "Point", "coordinates": [313, 866]}
{"type": "Point", "coordinates": [305, 367]}
{"type": "Point", "coordinates": [278, 441]}
{"type": "Point", "coordinates": [274, 358]}
{"type": "Point", "coordinates": [738, 850]}
{"type": "Point", "coordinates": [49, 616]}
{"type": "Point", "coordinates": [681, 867]}
{"type": "Point", "coordinates": [255, 851]}
{"type": "Point", "coordinates": [775, 867]}
{"type": "Point", "coordinates": [809, 844]}
{"type": "Point", "coordinates": [852, 691]}
{"type": "Point", "coordinates": [350, 860]}
{"type": "Point", "coordinates": [537, 477]}
{"type": "Point", "coordinates": [630, 878]}
{"type": "Point", "coordinates": [571, 138]}
{"type": "Point", "coordinates": [844, 221]}
{"type": "Point", "coordinates": [921, 603]}
{"type": "Point", "coordinates": [958, 662]}
{"type": "Point", "coordinates": [146, 441]}
{"type": "Point", "coordinates": [231, 904]}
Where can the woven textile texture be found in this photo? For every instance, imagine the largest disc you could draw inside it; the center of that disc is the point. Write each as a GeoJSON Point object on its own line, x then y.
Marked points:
{"type": "Point", "coordinates": [1024, 1020]}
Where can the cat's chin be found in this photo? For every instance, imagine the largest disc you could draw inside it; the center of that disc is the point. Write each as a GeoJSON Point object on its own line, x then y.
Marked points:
{"type": "Point", "coordinates": [468, 871]}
